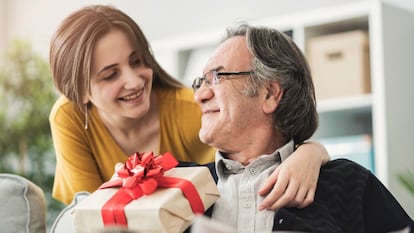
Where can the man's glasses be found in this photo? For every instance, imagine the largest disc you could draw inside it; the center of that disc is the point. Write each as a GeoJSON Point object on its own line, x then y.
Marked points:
{"type": "Point", "coordinates": [213, 77]}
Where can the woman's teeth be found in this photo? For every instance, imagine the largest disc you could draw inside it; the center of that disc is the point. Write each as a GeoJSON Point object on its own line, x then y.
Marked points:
{"type": "Point", "coordinates": [131, 97]}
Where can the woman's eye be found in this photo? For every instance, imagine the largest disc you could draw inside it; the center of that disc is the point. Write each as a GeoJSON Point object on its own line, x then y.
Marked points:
{"type": "Point", "coordinates": [109, 77]}
{"type": "Point", "coordinates": [136, 62]}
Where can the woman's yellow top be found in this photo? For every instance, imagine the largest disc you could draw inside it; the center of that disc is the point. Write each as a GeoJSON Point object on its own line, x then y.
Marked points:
{"type": "Point", "coordinates": [85, 158]}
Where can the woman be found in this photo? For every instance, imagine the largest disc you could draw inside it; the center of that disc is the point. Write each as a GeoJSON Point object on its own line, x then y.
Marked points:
{"type": "Point", "coordinates": [117, 100]}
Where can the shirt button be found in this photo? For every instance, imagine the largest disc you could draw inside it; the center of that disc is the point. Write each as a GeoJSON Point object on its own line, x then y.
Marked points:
{"type": "Point", "coordinates": [228, 166]}
{"type": "Point", "coordinates": [252, 170]}
{"type": "Point", "coordinates": [247, 204]}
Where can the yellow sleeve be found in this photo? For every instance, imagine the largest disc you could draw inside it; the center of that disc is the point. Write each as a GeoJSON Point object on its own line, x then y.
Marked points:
{"type": "Point", "coordinates": [180, 124]}
{"type": "Point", "coordinates": [84, 158]}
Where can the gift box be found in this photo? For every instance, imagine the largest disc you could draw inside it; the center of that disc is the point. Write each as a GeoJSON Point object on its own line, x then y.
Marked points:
{"type": "Point", "coordinates": [163, 210]}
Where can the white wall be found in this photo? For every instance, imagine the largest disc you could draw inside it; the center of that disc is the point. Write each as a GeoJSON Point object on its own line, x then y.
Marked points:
{"type": "Point", "coordinates": [36, 20]}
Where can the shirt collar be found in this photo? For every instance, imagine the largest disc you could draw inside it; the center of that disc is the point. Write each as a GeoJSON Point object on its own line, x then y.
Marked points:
{"type": "Point", "coordinates": [286, 150]}
{"type": "Point", "coordinates": [226, 166]}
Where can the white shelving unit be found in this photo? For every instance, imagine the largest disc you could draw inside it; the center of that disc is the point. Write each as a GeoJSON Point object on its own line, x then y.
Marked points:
{"type": "Point", "coordinates": [386, 113]}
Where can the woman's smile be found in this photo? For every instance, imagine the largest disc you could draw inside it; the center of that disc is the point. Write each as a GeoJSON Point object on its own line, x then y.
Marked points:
{"type": "Point", "coordinates": [131, 97]}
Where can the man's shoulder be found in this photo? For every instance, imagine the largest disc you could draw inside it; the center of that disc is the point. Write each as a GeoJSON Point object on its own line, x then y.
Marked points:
{"type": "Point", "coordinates": [344, 171]}
{"type": "Point", "coordinates": [342, 176]}
{"type": "Point", "coordinates": [343, 165]}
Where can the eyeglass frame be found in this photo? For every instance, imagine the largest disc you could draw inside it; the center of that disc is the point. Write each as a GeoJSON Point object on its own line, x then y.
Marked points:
{"type": "Point", "coordinates": [199, 81]}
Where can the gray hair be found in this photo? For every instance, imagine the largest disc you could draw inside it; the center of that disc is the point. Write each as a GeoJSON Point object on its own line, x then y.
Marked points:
{"type": "Point", "coordinates": [275, 57]}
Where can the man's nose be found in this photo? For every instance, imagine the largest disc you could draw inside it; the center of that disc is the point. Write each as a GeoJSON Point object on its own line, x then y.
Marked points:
{"type": "Point", "coordinates": [203, 94]}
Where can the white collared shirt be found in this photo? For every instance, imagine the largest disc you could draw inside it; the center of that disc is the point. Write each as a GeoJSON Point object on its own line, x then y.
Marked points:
{"type": "Point", "coordinates": [239, 186]}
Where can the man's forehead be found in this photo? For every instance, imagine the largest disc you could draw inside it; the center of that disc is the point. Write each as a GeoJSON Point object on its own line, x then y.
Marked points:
{"type": "Point", "coordinates": [229, 55]}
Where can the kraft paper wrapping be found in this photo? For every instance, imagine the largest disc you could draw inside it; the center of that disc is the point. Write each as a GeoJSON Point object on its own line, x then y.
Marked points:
{"type": "Point", "coordinates": [165, 210]}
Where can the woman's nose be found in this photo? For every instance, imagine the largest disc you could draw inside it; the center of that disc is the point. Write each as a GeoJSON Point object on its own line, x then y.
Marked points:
{"type": "Point", "coordinates": [132, 79]}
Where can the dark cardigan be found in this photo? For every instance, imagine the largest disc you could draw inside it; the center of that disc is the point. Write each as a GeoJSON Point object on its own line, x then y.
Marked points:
{"type": "Point", "coordinates": [349, 198]}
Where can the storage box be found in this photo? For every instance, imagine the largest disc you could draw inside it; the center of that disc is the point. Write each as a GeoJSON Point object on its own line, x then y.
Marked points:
{"type": "Point", "coordinates": [340, 64]}
{"type": "Point", "coordinates": [165, 210]}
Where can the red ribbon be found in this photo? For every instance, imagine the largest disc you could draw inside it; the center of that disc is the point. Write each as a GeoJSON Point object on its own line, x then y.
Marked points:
{"type": "Point", "coordinates": [141, 175]}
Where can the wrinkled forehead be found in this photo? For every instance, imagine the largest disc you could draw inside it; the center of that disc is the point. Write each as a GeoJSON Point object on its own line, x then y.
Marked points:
{"type": "Point", "coordinates": [231, 55]}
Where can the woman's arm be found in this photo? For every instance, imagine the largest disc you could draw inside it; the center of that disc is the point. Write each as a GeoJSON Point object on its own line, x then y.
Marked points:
{"type": "Point", "coordinates": [293, 183]}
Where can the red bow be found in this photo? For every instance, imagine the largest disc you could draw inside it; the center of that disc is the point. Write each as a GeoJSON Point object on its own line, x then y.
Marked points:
{"type": "Point", "coordinates": [141, 175]}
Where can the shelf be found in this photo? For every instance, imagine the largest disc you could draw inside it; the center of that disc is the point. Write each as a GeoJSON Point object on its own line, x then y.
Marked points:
{"type": "Point", "coordinates": [352, 103]}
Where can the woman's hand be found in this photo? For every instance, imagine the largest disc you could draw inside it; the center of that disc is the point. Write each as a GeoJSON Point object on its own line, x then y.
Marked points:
{"type": "Point", "coordinates": [294, 180]}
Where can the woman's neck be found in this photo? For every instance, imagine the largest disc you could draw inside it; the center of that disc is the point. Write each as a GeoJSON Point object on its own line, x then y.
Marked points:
{"type": "Point", "coordinates": [136, 135]}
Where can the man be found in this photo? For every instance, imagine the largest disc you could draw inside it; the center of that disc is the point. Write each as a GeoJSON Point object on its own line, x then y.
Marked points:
{"type": "Point", "coordinates": [258, 103]}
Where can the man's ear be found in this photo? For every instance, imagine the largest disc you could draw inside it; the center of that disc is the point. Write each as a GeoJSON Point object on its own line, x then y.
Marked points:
{"type": "Point", "coordinates": [273, 96]}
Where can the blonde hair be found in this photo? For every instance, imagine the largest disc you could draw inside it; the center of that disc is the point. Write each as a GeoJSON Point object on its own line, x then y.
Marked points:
{"type": "Point", "coordinates": [73, 42]}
